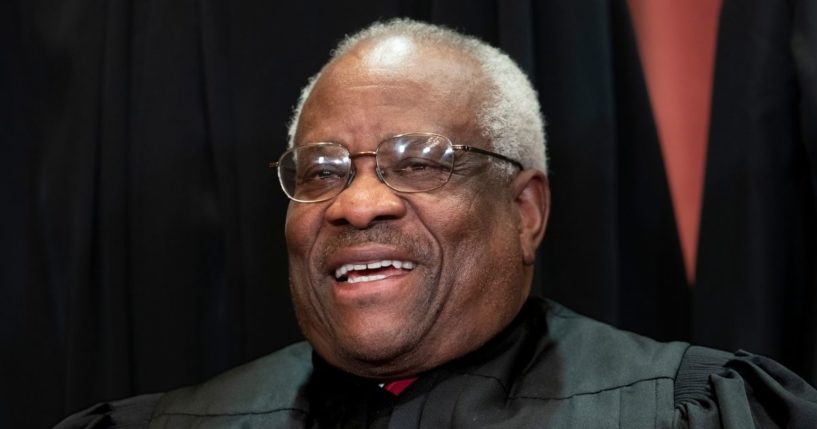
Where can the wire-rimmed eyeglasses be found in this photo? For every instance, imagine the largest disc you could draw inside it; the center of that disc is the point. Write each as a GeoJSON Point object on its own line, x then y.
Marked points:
{"type": "Point", "coordinates": [414, 162]}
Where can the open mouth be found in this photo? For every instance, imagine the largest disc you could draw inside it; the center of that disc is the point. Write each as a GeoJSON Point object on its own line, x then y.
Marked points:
{"type": "Point", "coordinates": [371, 271]}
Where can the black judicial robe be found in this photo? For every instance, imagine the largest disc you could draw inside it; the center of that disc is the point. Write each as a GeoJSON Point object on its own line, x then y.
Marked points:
{"type": "Point", "coordinates": [551, 368]}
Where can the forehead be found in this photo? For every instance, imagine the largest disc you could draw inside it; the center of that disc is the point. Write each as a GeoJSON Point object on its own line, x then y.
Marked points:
{"type": "Point", "coordinates": [393, 86]}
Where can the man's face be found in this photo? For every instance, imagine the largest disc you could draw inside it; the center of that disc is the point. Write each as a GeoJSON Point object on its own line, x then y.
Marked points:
{"type": "Point", "coordinates": [460, 276]}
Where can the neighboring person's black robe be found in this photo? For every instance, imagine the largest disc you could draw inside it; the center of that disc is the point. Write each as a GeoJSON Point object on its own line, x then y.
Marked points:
{"type": "Point", "coordinates": [551, 368]}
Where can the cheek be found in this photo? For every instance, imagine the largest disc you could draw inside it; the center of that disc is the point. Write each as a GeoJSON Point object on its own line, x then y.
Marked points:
{"type": "Point", "coordinates": [297, 234]}
{"type": "Point", "coordinates": [478, 237]}
{"type": "Point", "coordinates": [469, 229]}
{"type": "Point", "coordinates": [301, 231]}
{"type": "Point", "coordinates": [301, 228]}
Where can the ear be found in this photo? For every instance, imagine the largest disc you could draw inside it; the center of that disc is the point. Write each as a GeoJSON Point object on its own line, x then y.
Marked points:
{"type": "Point", "coordinates": [532, 199]}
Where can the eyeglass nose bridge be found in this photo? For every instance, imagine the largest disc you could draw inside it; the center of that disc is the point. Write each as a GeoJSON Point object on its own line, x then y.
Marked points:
{"type": "Point", "coordinates": [353, 169]}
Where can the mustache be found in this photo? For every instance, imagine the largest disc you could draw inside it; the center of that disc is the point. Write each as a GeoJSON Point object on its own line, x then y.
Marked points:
{"type": "Point", "coordinates": [379, 233]}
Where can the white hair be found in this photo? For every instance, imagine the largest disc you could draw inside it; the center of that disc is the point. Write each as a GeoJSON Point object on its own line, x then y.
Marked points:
{"type": "Point", "coordinates": [510, 118]}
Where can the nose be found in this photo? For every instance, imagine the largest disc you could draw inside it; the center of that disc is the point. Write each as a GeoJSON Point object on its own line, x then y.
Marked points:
{"type": "Point", "coordinates": [366, 200]}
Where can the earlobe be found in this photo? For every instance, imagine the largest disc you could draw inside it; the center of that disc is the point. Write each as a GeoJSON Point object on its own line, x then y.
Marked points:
{"type": "Point", "coordinates": [532, 198]}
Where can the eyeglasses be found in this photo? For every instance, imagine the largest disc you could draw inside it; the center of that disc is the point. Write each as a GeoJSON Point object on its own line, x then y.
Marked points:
{"type": "Point", "coordinates": [416, 162]}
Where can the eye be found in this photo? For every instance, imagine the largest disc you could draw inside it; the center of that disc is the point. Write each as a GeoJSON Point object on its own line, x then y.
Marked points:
{"type": "Point", "coordinates": [322, 173]}
{"type": "Point", "coordinates": [418, 165]}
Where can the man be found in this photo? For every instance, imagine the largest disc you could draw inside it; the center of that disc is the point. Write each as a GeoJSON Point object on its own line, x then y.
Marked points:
{"type": "Point", "coordinates": [419, 194]}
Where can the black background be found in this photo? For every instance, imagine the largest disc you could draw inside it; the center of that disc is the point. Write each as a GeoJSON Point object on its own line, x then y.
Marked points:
{"type": "Point", "coordinates": [141, 234]}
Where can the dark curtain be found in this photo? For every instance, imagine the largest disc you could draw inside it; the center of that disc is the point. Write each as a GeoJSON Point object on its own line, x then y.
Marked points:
{"type": "Point", "coordinates": [141, 235]}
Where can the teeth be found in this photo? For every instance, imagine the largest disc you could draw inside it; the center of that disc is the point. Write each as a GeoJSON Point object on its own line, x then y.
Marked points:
{"type": "Point", "coordinates": [345, 268]}
{"type": "Point", "coordinates": [367, 278]}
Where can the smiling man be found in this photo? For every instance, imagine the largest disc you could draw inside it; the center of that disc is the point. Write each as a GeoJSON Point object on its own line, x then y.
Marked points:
{"type": "Point", "coordinates": [417, 175]}
{"type": "Point", "coordinates": [427, 252]}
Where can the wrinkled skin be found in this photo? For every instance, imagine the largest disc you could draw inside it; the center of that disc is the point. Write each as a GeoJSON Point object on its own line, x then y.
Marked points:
{"type": "Point", "coordinates": [472, 241]}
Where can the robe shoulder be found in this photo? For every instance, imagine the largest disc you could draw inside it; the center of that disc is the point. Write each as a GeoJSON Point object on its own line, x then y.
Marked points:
{"type": "Point", "coordinates": [267, 385]}
{"type": "Point", "coordinates": [694, 387]}
{"type": "Point", "coordinates": [592, 356]}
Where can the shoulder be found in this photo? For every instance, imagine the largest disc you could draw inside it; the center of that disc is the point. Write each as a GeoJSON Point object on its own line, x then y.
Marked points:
{"type": "Point", "coordinates": [260, 387]}
{"type": "Point", "coordinates": [263, 385]}
{"type": "Point", "coordinates": [685, 386]}
{"type": "Point", "coordinates": [593, 356]}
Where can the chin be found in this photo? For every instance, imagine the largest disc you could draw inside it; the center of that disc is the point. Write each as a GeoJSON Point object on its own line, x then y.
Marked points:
{"type": "Point", "coordinates": [378, 354]}
{"type": "Point", "coordinates": [378, 346]}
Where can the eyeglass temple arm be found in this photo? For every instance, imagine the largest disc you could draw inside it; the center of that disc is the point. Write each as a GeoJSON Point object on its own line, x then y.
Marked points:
{"type": "Point", "coordinates": [489, 153]}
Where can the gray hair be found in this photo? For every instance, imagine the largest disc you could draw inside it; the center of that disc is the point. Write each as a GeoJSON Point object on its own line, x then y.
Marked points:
{"type": "Point", "coordinates": [510, 118]}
